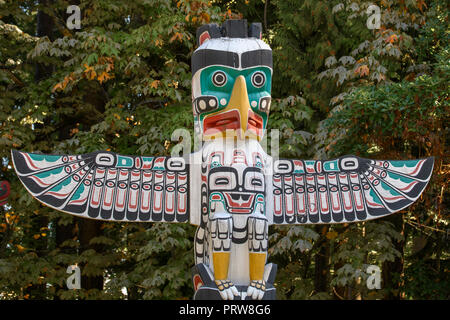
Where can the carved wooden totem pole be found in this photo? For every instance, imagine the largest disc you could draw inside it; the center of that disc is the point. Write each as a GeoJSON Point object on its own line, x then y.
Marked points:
{"type": "Point", "coordinates": [231, 189]}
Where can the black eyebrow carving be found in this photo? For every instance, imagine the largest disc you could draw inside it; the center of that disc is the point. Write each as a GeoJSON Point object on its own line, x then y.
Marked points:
{"type": "Point", "coordinates": [208, 57]}
{"type": "Point", "coordinates": [257, 58]}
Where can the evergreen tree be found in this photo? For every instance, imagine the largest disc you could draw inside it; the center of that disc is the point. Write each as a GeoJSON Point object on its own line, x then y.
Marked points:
{"type": "Point", "coordinates": [122, 83]}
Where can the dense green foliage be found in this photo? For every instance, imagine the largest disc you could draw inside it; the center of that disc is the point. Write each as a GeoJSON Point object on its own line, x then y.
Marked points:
{"type": "Point", "coordinates": [122, 83]}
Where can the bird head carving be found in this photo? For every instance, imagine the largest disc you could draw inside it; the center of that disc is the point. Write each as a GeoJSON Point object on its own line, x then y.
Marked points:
{"type": "Point", "coordinates": [231, 83]}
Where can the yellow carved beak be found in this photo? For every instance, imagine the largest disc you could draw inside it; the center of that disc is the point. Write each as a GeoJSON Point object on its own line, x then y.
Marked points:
{"type": "Point", "coordinates": [239, 100]}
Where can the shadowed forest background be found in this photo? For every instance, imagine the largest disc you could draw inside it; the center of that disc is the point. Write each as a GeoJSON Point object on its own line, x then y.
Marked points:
{"type": "Point", "coordinates": [122, 83]}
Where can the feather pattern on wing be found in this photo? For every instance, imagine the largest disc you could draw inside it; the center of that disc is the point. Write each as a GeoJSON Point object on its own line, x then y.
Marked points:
{"type": "Point", "coordinates": [108, 186]}
{"type": "Point", "coordinates": [347, 189]}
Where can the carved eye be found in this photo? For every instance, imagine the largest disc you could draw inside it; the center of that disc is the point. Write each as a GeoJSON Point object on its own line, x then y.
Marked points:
{"type": "Point", "coordinates": [221, 181]}
{"type": "Point", "coordinates": [219, 78]}
{"type": "Point", "coordinates": [257, 182]}
{"type": "Point", "coordinates": [254, 181]}
{"type": "Point", "coordinates": [258, 79]}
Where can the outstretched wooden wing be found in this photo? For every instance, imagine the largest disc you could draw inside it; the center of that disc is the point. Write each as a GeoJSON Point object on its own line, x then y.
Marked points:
{"type": "Point", "coordinates": [108, 186]}
{"type": "Point", "coordinates": [347, 189]}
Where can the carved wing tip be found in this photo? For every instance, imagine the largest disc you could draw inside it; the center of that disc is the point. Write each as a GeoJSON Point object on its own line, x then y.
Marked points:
{"type": "Point", "coordinates": [14, 155]}
{"type": "Point", "coordinates": [428, 162]}
{"type": "Point", "coordinates": [428, 168]}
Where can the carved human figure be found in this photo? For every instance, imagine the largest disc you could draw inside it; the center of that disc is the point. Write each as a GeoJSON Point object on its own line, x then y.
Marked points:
{"type": "Point", "coordinates": [232, 237]}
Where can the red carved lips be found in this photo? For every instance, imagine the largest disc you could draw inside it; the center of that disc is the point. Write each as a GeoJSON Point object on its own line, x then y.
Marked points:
{"type": "Point", "coordinates": [239, 202]}
{"type": "Point", "coordinates": [255, 123]}
{"type": "Point", "coordinates": [231, 120]}
{"type": "Point", "coordinates": [222, 122]}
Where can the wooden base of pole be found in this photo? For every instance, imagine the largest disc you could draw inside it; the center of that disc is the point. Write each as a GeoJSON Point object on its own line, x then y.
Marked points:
{"type": "Point", "coordinates": [206, 289]}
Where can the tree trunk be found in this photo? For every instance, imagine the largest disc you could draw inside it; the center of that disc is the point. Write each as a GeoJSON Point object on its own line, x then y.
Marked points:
{"type": "Point", "coordinates": [44, 27]}
{"type": "Point", "coordinates": [322, 268]}
{"type": "Point", "coordinates": [89, 229]}
{"type": "Point", "coordinates": [392, 271]}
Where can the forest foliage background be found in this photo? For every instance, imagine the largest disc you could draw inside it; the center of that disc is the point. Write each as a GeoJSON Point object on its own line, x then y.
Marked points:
{"type": "Point", "coordinates": [122, 83]}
